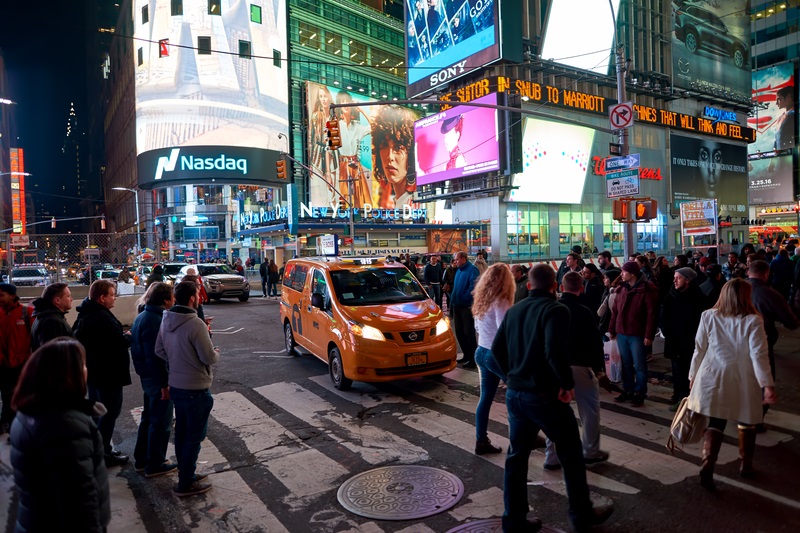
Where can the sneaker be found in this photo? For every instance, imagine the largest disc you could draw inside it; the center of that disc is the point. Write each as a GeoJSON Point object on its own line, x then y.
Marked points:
{"type": "Point", "coordinates": [601, 457]}
{"type": "Point", "coordinates": [139, 468]}
{"type": "Point", "coordinates": [484, 446]}
{"type": "Point", "coordinates": [637, 401]}
{"type": "Point", "coordinates": [115, 460]}
{"type": "Point", "coordinates": [191, 490]}
{"type": "Point", "coordinates": [624, 397]}
{"type": "Point", "coordinates": [551, 467]}
{"type": "Point", "coordinates": [166, 468]}
{"type": "Point", "coordinates": [200, 477]}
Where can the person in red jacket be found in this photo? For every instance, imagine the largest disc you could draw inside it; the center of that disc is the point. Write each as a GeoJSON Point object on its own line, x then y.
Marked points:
{"type": "Point", "coordinates": [633, 324]}
{"type": "Point", "coordinates": [15, 347]}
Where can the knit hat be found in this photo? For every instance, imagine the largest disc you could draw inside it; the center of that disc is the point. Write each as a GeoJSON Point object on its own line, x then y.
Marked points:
{"type": "Point", "coordinates": [687, 273]}
{"type": "Point", "coordinates": [632, 267]}
{"type": "Point", "coordinates": [9, 288]}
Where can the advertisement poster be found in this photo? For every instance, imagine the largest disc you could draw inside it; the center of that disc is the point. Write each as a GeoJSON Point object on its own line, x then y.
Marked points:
{"type": "Point", "coordinates": [771, 180]}
{"type": "Point", "coordinates": [461, 141]}
{"type": "Point", "coordinates": [775, 119]}
{"type": "Point", "coordinates": [446, 39]}
{"type": "Point", "coordinates": [555, 162]}
{"type": "Point", "coordinates": [707, 168]}
{"type": "Point", "coordinates": [447, 241]}
{"type": "Point", "coordinates": [711, 46]}
{"type": "Point", "coordinates": [377, 151]}
{"type": "Point", "coordinates": [699, 218]}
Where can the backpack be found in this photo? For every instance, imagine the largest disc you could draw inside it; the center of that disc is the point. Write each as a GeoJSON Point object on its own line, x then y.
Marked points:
{"type": "Point", "coordinates": [687, 426]}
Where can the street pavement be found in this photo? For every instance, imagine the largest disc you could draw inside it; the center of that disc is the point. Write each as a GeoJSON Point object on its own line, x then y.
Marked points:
{"type": "Point", "coordinates": [282, 440]}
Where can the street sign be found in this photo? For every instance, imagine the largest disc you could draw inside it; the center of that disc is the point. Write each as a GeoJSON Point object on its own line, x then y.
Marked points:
{"type": "Point", "coordinates": [623, 162]}
{"type": "Point", "coordinates": [623, 183]}
{"type": "Point", "coordinates": [621, 115]}
{"type": "Point", "coordinates": [699, 217]}
{"type": "Point", "coordinates": [20, 240]}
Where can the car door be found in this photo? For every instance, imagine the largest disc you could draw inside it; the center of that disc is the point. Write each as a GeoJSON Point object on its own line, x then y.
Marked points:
{"type": "Point", "coordinates": [319, 320]}
{"type": "Point", "coordinates": [298, 301]}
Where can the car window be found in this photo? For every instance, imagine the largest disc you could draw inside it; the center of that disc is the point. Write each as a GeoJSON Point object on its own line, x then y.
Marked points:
{"type": "Point", "coordinates": [375, 286]}
{"type": "Point", "coordinates": [319, 285]}
{"type": "Point", "coordinates": [288, 274]}
{"type": "Point", "coordinates": [299, 277]}
{"type": "Point", "coordinates": [210, 270]}
{"type": "Point", "coordinates": [27, 273]}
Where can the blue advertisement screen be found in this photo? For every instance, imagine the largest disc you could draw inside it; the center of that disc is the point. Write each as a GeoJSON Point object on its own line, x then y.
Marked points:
{"type": "Point", "coordinates": [446, 39]}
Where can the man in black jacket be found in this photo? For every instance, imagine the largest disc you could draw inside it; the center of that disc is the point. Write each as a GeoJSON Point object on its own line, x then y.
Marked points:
{"type": "Point", "coordinates": [48, 315]}
{"type": "Point", "coordinates": [262, 271]}
{"type": "Point", "coordinates": [107, 359]}
{"type": "Point", "coordinates": [531, 349]}
{"type": "Point", "coordinates": [432, 276]}
{"type": "Point", "coordinates": [521, 281]}
{"type": "Point", "coordinates": [585, 349]}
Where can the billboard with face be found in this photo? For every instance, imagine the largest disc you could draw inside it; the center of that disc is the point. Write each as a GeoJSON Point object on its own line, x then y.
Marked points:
{"type": "Point", "coordinates": [706, 169]}
{"type": "Point", "coordinates": [377, 150]}
{"type": "Point", "coordinates": [775, 120]}
{"type": "Point", "coordinates": [446, 39]}
{"type": "Point", "coordinates": [711, 47]}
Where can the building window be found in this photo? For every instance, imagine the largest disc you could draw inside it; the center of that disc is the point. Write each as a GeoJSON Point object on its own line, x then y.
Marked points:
{"type": "Point", "coordinates": [145, 14]}
{"type": "Point", "coordinates": [255, 13]}
{"type": "Point", "coordinates": [140, 56]}
{"type": "Point", "coordinates": [204, 45]}
{"type": "Point", "coordinates": [215, 7]}
{"type": "Point", "coordinates": [276, 58]}
{"type": "Point", "coordinates": [358, 52]}
{"type": "Point", "coordinates": [333, 44]}
{"type": "Point", "coordinates": [176, 8]}
{"type": "Point", "coordinates": [309, 36]}
{"type": "Point", "coordinates": [244, 50]}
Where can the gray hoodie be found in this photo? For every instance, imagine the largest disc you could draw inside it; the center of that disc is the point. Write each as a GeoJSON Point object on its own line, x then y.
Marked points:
{"type": "Point", "coordinates": [183, 341]}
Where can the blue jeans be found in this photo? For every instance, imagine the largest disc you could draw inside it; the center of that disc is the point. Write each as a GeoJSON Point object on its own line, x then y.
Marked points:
{"type": "Point", "coordinates": [490, 378]}
{"type": "Point", "coordinates": [111, 398]}
{"type": "Point", "coordinates": [435, 291]}
{"type": "Point", "coordinates": [634, 362]}
{"type": "Point", "coordinates": [529, 412]}
{"type": "Point", "coordinates": [192, 408]}
{"type": "Point", "coordinates": [272, 288]}
{"type": "Point", "coordinates": [154, 428]}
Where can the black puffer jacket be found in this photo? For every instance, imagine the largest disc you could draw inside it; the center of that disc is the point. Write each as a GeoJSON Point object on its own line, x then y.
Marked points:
{"type": "Point", "coordinates": [107, 356]}
{"type": "Point", "coordinates": [48, 323]}
{"type": "Point", "coordinates": [59, 470]}
{"type": "Point", "coordinates": [680, 318]}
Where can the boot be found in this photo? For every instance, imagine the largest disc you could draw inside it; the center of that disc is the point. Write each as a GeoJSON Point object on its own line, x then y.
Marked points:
{"type": "Point", "coordinates": [712, 441]}
{"type": "Point", "coordinates": [484, 446]}
{"type": "Point", "coordinates": [747, 447]}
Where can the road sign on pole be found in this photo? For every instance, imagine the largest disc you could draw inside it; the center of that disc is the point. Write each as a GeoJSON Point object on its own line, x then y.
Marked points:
{"type": "Point", "coordinates": [622, 183]}
{"type": "Point", "coordinates": [623, 162]}
{"type": "Point", "coordinates": [621, 115]}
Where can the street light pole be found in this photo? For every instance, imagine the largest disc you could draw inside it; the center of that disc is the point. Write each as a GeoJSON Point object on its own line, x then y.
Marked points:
{"type": "Point", "coordinates": [138, 225]}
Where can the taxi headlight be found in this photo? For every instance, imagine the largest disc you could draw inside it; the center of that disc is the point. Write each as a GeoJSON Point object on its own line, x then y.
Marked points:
{"type": "Point", "coordinates": [367, 332]}
{"type": "Point", "coordinates": [442, 326]}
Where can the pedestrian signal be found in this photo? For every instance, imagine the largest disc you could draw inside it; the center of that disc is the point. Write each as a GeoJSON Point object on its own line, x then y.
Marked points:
{"type": "Point", "coordinates": [332, 133]}
{"type": "Point", "coordinates": [620, 210]}
{"type": "Point", "coordinates": [646, 209]}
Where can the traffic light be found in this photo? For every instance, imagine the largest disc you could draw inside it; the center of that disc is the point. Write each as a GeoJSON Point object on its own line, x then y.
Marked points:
{"type": "Point", "coordinates": [281, 166]}
{"type": "Point", "coordinates": [332, 132]}
{"type": "Point", "coordinates": [646, 209]}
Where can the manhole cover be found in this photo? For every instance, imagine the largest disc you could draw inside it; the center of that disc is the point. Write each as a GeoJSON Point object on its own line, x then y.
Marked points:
{"type": "Point", "coordinates": [400, 492]}
{"type": "Point", "coordinates": [491, 525]}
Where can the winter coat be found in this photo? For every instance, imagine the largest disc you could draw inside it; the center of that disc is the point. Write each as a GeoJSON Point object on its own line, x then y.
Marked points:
{"type": "Point", "coordinates": [465, 279]}
{"type": "Point", "coordinates": [680, 318]}
{"type": "Point", "coordinates": [184, 343]}
{"type": "Point", "coordinates": [15, 336]}
{"type": "Point", "coordinates": [59, 470]}
{"type": "Point", "coordinates": [781, 274]}
{"type": "Point", "coordinates": [522, 289]}
{"type": "Point", "coordinates": [262, 271]}
{"type": "Point", "coordinates": [712, 289]}
{"type": "Point", "coordinates": [107, 355]}
{"type": "Point", "coordinates": [143, 345]}
{"type": "Point", "coordinates": [49, 323]}
{"type": "Point", "coordinates": [585, 344]}
{"type": "Point", "coordinates": [635, 310]}
{"type": "Point", "coordinates": [604, 311]}
{"type": "Point", "coordinates": [773, 308]}
{"type": "Point", "coordinates": [592, 296]}
{"type": "Point", "coordinates": [730, 365]}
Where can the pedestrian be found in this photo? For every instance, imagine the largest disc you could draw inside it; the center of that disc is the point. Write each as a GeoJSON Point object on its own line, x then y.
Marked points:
{"type": "Point", "coordinates": [571, 263]}
{"type": "Point", "coordinates": [713, 285]}
{"type": "Point", "coordinates": [56, 449]}
{"type": "Point", "coordinates": [733, 268]}
{"type": "Point", "coordinates": [520, 273]}
{"type": "Point", "coordinates": [150, 453]}
{"type": "Point", "coordinates": [49, 314]}
{"type": "Point", "coordinates": [464, 323]}
{"type": "Point", "coordinates": [272, 279]}
{"type": "Point", "coordinates": [183, 342]}
{"type": "Point", "coordinates": [262, 271]}
{"type": "Point", "coordinates": [781, 273]}
{"type": "Point", "coordinates": [729, 368]}
{"type": "Point", "coordinates": [611, 281]}
{"type": "Point", "coordinates": [107, 359]}
{"type": "Point", "coordinates": [644, 267]}
{"type": "Point", "coordinates": [447, 284]}
{"type": "Point", "coordinates": [493, 296]}
{"type": "Point", "coordinates": [633, 324]}
{"type": "Point", "coordinates": [432, 276]}
{"type": "Point", "coordinates": [680, 317]}
{"type": "Point", "coordinates": [663, 277]}
{"type": "Point", "coordinates": [593, 288]}
{"type": "Point", "coordinates": [531, 350]}
{"type": "Point", "coordinates": [157, 274]}
{"type": "Point", "coordinates": [604, 261]}
{"type": "Point", "coordinates": [480, 262]}
{"type": "Point", "coordinates": [124, 276]}
{"type": "Point", "coordinates": [587, 361]}
{"type": "Point", "coordinates": [15, 348]}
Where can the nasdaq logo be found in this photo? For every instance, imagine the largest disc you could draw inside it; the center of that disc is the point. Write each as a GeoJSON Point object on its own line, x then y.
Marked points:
{"type": "Point", "coordinates": [167, 164]}
{"type": "Point", "coordinates": [190, 163]}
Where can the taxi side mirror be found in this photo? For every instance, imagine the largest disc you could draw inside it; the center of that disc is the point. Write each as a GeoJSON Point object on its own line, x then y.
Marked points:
{"type": "Point", "coordinates": [318, 301]}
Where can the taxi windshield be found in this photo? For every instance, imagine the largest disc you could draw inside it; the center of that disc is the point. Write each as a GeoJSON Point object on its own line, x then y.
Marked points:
{"type": "Point", "coordinates": [375, 286]}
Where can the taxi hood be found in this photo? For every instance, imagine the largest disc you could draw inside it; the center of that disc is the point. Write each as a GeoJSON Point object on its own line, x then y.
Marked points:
{"type": "Point", "coordinates": [405, 315]}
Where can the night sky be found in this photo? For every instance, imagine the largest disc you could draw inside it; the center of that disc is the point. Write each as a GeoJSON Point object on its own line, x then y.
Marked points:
{"type": "Point", "coordinates": [44, 48]}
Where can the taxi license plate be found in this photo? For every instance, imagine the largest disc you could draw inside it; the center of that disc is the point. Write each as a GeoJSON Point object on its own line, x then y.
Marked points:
{"type": "Point", "coordinates": [416, 358]}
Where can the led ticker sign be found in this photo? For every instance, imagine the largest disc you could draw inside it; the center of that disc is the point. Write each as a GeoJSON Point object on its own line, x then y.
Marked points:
{"type": "Point", "coordinates": [591, 103]}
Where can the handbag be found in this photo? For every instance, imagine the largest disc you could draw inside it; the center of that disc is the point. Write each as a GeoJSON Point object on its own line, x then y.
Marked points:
{"type": "Point", "coordinates": [687, 426]}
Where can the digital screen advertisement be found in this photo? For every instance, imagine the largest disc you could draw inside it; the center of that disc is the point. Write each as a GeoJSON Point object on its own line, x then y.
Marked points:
{"type": "Point", "coordinates": [461, 141]}
{"type": "Point", "coordinates": [770, 180]}
{"type": "Point", "coordinates": [711, 47]}
{"type": "Point", "coordinates": [446, 39]}
{"type": "Point", "coordinates": [377, 151]}
{"type": "Point", "coordinates": [188, 98]}
{"type": "Point", "coordinates": [555, 162]}
{"type": "Point", "coordinates": [775, 118]}
{"type": "Point", "coordinates": [709, 169]}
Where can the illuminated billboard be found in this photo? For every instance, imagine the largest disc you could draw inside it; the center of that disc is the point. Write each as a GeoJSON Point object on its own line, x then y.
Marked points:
{"type": "Point", "coordinates": [461, 141]}
{"type": "Point", "coordinates": [211, 75]}
{"type": "Point", "coordinates": [377, 150]}
{"type": "Point", "coordinates": [706, 169]}
{"type": "Point", "coordinates": [775, 118]}
{"type": "Point", "coordinates": [771, 180]}
{"type": "Point", "coordinates": [555, 162]}
{"type": "Point", "coordinates": [19, 220]}
{"type": "Point", "coordinates": [711, 47]}
{"type": "Point", "coordinates": [446, 39]}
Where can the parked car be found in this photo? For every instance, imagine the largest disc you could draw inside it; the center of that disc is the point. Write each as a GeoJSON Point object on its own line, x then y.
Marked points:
{"type": "Point", "coordinates": [140, 274]}
{"type": "Point", "coordinates": [220, 281]}
{"type": "Point", "coordinates": [30, 276]}
{"type": "Point", "coordinates": [171, 271]}
{"type": "Point", "coordinates": [700, 29]}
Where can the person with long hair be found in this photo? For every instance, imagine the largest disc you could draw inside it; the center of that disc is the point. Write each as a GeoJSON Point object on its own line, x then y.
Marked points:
{"type": "Point", "coordinates": [493, 296]}
{"type": "Point", "coordinates": [56, 448]}
{"type": "Point", "coordinates": [354, 125]}
{"type": "Point", "coordinates": [393, 154]}
{"type": "Point", "coordinates": [322, 159]}
{"type": "Point", "coordinates": [729, 368]}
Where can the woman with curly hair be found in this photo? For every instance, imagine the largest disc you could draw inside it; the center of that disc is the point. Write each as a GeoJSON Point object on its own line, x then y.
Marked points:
{"type": "Point", "coordinates": [493, 296]}
{"type": "Point", "coordinates": [392, 151]}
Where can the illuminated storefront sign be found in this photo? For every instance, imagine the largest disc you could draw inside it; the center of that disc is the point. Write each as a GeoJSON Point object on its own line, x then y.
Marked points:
{"type": "Point", "coordinates": [366, 213]}
{"type": "Point", "coordinates": [19, 220]}
{"type": "Point", "coordinates": [539, 93]}
{"type": "Point", "coordinates": [645, 173]}
{"type": "Point", "coordinates": [716, 114]}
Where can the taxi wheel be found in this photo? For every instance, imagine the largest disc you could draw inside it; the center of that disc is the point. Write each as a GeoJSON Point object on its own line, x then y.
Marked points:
{"type": "Point", "coordinates": [336, 370]}
{"type": "Point", "coordinates": [289, 338]}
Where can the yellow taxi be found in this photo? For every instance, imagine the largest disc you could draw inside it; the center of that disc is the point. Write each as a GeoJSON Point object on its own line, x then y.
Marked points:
{"type": "Point", "coordinates": [368, 319]}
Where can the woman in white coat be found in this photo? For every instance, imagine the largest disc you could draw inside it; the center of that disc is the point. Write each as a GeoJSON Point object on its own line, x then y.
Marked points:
{"type": "Point", "coordinates": [729, 368]}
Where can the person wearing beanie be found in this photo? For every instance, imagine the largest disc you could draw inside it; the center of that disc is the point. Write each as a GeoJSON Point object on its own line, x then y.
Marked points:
{"type": "Point", "coordinates": [680, 318]}
{"type": "Point", "coordinates": [15, 348]}
{"type": "Point", "coordinates": [634, 317]}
